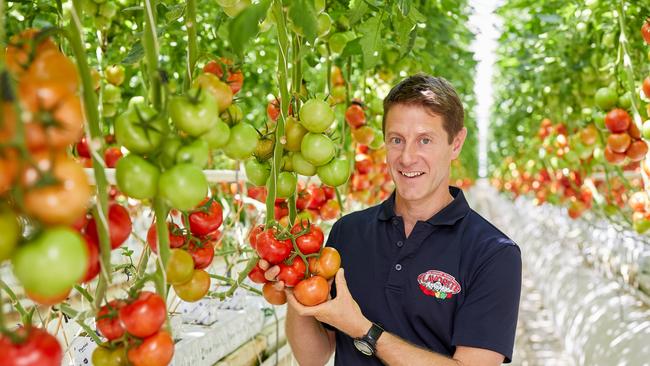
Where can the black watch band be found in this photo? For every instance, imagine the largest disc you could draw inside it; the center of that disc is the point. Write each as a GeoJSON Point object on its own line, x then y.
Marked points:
{"type": "Point", "coordinates": [368, 343]}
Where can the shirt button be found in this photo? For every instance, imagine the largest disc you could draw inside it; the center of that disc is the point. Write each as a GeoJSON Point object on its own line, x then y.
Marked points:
{"type": "Point", "coordinates": [400, 244]}
{"type": "Point", "coordinates": [395, 222]}
{"type": "Point", "coordinates": [398, 267]}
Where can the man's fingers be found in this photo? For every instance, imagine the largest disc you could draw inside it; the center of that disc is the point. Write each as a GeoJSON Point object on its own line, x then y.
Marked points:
{"type": "Point", "coordinates": [263, 264]}
{"type": "Point", "coordinates": [341, 284]}
{"type": "Point", "coordinates": [278, 285]}
{"type": "Point", "coordinates": [272, 273]}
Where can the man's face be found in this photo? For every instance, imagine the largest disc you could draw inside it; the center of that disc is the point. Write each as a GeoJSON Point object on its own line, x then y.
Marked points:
{"type": "Point", "coordinates": [418, 153]}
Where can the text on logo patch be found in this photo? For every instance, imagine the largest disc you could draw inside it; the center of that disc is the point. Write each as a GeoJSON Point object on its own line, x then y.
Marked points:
{"type": "Point", "coordinates": [438, 284]}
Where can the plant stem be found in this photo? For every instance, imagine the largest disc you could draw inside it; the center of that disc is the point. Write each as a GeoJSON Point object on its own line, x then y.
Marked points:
{"type": "Point", "coordinates": [75, 31]}
{"type": "Point", "coordinates": [151, 51]}
{"type": "Point", "coordinates": [192, 46]}
{"type": "Point", "coordinates": [24, 316]}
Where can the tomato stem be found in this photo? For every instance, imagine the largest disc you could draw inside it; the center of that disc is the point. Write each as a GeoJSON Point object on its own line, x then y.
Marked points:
{"type": "Point", "coordinates": [192, 46]}
{"type": "Point", "coordinates": [24, 316]}
{"type": "Point", "coordinates": [231, 282]}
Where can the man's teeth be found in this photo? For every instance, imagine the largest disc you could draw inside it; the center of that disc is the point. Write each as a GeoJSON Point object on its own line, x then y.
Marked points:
{"type": "Point", "coordinates": [412, 174]}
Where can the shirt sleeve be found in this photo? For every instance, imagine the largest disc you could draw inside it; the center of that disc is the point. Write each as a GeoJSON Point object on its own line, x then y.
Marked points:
{"type": "Point", "coordinates": [332, 241]}
{"type": "Point", "coordinates": [488, 316]}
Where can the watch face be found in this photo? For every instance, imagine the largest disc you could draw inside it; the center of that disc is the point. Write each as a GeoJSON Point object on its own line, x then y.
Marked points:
{"type": "Point", "coordinates": [363, 347]}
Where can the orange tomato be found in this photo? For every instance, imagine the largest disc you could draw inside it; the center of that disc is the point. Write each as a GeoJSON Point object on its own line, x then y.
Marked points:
{"type": "Point", "coordinates": [22, 49]}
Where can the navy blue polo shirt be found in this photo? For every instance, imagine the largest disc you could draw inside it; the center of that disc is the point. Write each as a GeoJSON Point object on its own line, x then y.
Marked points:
{"type": "Point", "coordinates": [455, 281]}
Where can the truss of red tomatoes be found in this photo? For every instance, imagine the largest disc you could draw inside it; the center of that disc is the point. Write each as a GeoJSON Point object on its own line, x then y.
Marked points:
{"type": "Point", "coordinates": [192, 250]}
{"type": "Point", "coordinates": [305, 266]}
{"type": "Point", "coordinates": [133, 330]}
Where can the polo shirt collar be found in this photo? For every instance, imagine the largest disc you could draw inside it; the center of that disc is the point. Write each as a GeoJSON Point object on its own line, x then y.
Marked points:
{"type": "Point", "coordinates": [449, 215]}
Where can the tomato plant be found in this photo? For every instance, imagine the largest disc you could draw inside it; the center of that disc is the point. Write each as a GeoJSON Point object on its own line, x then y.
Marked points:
{"type": "Point", "coordinates": [180, 267]}
{"type": "Point", "coordinates": [108, 322]}
{"type": "Point", "coordinates": [144, 315]}
{"type": "Point", "coordinates": [206, 218]}
{"type": "Point", "coordinates": [292, 273]}
{"type": "Point", "coordinates": [183, 186]}
{"type": "Point", "coordinates": [176, 237]}
{"type": "Point", "coordinates": [119, 225]}
{"type": "Point", "coordinates": [272, 295]}
{"type": "Point", "coordinates": [311, 241]}
{"type": "Point", "coordinates": [38, 348]}
{"type": "Point", "coordinates": [136, 177]}
{"type": "Point", "coordinates": [194, 289]}
{"type": "Point", "coordinates": [272, 249]}
{"type": "Point", "coordinates": [312, 291]}
{"type": "Point", "coordinates": [327, 264]}
{"type": "Point", "coordinates": [155, 350]}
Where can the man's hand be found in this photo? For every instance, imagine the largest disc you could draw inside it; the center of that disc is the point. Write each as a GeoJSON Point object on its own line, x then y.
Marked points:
{"type": "Point", "coordinates": [271, 273]}
{"type": "Point", "coordinates": [342, 312]}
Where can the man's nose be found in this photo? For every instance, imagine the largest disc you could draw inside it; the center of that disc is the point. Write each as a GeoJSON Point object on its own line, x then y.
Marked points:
{"type": "Point", "coordinates": [408, 155]}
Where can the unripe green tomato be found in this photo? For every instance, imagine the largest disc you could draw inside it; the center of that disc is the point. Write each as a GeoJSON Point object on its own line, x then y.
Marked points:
{"type": "Point", "coordinates": [316, 115]}
{"type": "Point", "coordinates": [378, 141]}
{"type": "Point", "coordinates": [89, 7]}
{"type": "Point", "coordinates": [115, 74]}
{"type": "Point", "coordinates": [136, 177]}
{"type": "Point", "coordinates": [168, 152]}
{"type": "Point", "coordinates": [102, 23]}
{"type": "Point", "coordinates": [319, 5]}
{"type": "Point", "coordinates": [606, 98]}
{"type": "Point", "coordinates": [242, 141]}
{"type": "Point", "coordinates": [10, 229]}
{"type": "Point", "coordinates": [334, 173]}
{"type": "Point", "coordinates": [302, 166]}
{"type": "Point", "coordinates": [599, 120]}
{"type": "Point", "coordinates": [217, 136]}
{"type": "Point", "coordinates": [257, 172]}
{"type": "Point", "coordinates": [52, 262]}
{"type": "Point", "coordinates": [111, 94]}
{"type": "Point", "coordinates": [109, 110]}
{"type": "Point", "coordinates": [287, 162]}
{"type": "Point", "coordinates": [108, 9]}
{"type": "Point", "coordinates": [317, 149]}
{"type": "Point", "coordinates": [183, 186]}
{"type": "Point", "coordinates": [625, 100]}
{"type": "Point", "coordinates": [232, 115]}
{"type": "Point", "coordinates": [286, 184]}
{"type": "Point", "coordinates": [196, 153]}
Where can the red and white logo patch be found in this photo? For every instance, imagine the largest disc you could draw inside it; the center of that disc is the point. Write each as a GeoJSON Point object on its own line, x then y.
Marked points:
{"type": "Point", "coordinates": [438, 284]}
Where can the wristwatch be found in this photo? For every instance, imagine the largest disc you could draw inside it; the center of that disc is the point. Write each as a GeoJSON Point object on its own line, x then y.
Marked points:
{"type": "Point", "coordinates": [367, 344]}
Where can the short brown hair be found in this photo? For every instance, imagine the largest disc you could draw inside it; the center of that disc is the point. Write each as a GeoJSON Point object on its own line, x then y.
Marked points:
{"type": "Point", "coordinates": [432, 93]}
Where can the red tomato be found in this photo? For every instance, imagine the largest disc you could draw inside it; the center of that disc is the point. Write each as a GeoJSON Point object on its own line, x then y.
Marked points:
{"type": "Point", "coordinates": [48, 301]}
{"type": "Point", "coordinates": [312, 291]}
{"type": "Point", "coordinates": [176, 237]}
{"type": "Point", "coordinates": [645, 32]}
{"type": "Point", "coordinates": [83, 150]}
{"type": "Point", "coordinates": [206, 218]}
{"type": "Point", "coordinates": [81, 223]}
{"type": "Point", "coordinates": [327, 264]}
{"type": "Point", "coordinates": [330, 192]}
{"type": "Point", "coordinates": [111, 156]}
{"type": "Point", "coordinates": [235, 77]}
{"type": "Point", "coordinates": [637, 150]}
{"type": "Point", "coordinates": [156, 350]}
{"type": "Point", "coordinates": [202, 254]}
{"type": "Point", "coordinates": [108, 321]}
{"type": "Point", "coordinates": [39, 348]}
{"type": "Point", "coordinates": [145, 315]}
{"type": "Point", "coordinates": [257, 193]}
{"type": "Point", "coordinates": [281, 210]}
{"type": "Point", "coordinates": [292, 273]}
{"type": "Point", "coordinates": [355, 116]}
{"type": "Point", "coordinates": [617, 120]}
{"type": "Point", "coordinates": [257, 274]}
{"type": "Point", "coordinates": [619, 142]}
{"type": "Point", "coordinates": [310, 242]}
{"type": "Point", "coordinates": [119, 225]}
{"type": "Point", "coordinates": [93, 259]}
{"type": "Point", "coordinates": [330, 210]}
{"type": "Point", "coordinates": [302, 200]}
{"type": "Point", "coordinates": [273, 296]}
{"type": "Point", "coordinates": [271, 249]}
{"type": "Point", "coordinates": [252, 236]}
{"type": "Point", "coordinates": [273, 109]}
{"type": "Point", "coordinates": [362, 163]}
{"type": "Point", "coordinates": [318, 197]}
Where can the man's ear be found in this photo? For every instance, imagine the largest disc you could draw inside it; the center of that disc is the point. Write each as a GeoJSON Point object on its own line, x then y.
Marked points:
{"type": "Point", "coordinates": [457, 143]}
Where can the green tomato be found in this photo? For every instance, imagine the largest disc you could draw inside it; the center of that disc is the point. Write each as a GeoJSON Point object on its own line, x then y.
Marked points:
{"type": "Point", "coordinates": [217, 136]}
{"type": "Point", "coordinates": [625, 100]}
{"type": "Point", "coordinates": [316, 115]}
{"type": "Point", "coordinates": [334, 173]}
{"type": "Point", "coordinates": [232, 115]}
{"type": "Point", "coordinates": [109, 110]}
{"type": "Point", "coordinates": [51, 263]}
{"type": "Point", "coordinates": [108, 9]}
{"type": "Point", "coordinates": [195, 113]}
{"type": "Point", "coordinates": [242, 141]}
{"type": "Point", "coordinates": [111, 94]}
{"type": "Point", "coordinates": [294, 132]}
{"type": "Point", "coordinates": [11, 231]}
{"type": "Point", "coordinates": [317, 149]}
{"type": "Point", "coordinates": [180, 267]}
{"type": "Point", "coordinates": [140, 129]}
{"type": "Point", "coordinates": [257, 172]}
{"type": "Point", "coordinates": [319, 5]}
{"type": "Point", "coordinates": [137, 177]}
{"type": "Point", "coordinates": [104, 356]}
{"type": "Point", "coordinates": [264, 149]}
{"type": "Point", "coordinates": [599, 120]}
{"type": "Point", "coordinates": [287, 162]}
{"type": "Point", "coordinates": [196, 153]}
{"type": "Point", "coordinates": [301, 165]}
{"type": "Point", "coordinates": [378, 141]}
{"type": "Point", "coordinates": [286, 184]}
{"type": "Point", "coordinates": [324, 24]}
{"type": "Point", "coordinates": [184, 186]}
{"type": "Point", "coordinates": [168, 152]}
{"type": "Point", "coordinates": [115, 74]}
{"type": "Point", "coordinates": [606, 98]}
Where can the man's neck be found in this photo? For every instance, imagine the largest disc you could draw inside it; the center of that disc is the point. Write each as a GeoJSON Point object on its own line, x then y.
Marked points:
{"type": "Point", "coordinates": [412, 212]}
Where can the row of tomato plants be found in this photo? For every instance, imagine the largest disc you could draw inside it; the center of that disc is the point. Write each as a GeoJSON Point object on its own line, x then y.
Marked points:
{"type": "Point", "coordinates": [581, 144]}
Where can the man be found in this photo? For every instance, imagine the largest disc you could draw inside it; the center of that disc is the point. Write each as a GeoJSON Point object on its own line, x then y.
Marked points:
{"type": "Point", "coordinates": [425, 280]}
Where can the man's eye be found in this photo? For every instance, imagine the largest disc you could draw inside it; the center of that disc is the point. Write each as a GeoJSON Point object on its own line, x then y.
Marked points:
{"type": "Point", "coordinates": [426, 141]}
{"type": "Point", "coordinates": [395, 140]}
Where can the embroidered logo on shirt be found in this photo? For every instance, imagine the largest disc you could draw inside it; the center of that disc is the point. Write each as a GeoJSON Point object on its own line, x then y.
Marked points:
{"type": "Point", "coordinates": [438, 284]}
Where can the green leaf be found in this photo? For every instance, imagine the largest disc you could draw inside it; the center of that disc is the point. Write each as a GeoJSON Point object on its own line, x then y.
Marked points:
{"type": "Point", "coordinates": [175, 12]}
{"type": "Point", "coordinates": [371, 42]}
{"type": "Point", "coordinates": [403, 26]}
{"type": "Point", "coordinates": [135, 54]}
{"type": "Point", "coordinates": [352, 48]}
{"type": "Point", "coordinates": [246, 25]}
{"type": "Point", "coordinates": [357, 10]}
{"type": "Point", "coordinates": [303, 15]}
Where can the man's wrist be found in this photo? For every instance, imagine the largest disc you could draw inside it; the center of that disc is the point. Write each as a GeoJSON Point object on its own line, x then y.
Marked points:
{"type": "Point", "coordinates": [362, 329]}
